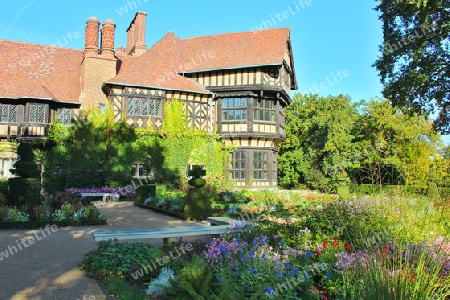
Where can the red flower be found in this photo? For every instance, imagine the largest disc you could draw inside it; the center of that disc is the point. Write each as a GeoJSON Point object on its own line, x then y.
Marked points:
{"type": "Point", "coordinates": [325, 243]}
{"type": "Point", "coordinates": [335, 242]}
{"type": "Point", "coordinates": [348, 247]}
{"type": "Point", "coordinates": [412, 277]}
{"type": "Point", "coordinates": [318, 253]}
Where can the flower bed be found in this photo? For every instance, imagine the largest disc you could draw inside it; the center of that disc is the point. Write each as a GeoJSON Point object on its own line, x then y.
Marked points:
{"type": "Point", "coordinates": [314, 247]}
{"type": "Point", "coordinates": [170, 202]}
{"type": "Point", "coordinates": [124, 191]}
{"type": "Point", "coordinates": [64, 209]}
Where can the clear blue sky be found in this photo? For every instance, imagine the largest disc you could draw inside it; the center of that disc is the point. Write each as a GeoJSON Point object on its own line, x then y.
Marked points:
{"type": "Point", "coordinates": [327, 36]}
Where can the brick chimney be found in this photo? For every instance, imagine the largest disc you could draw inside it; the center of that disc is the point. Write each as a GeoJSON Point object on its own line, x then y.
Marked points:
{"type": "Point", "coordinates": [97, 66]}
{"type": "Point", "coordinates": [136, 35]}
{"type": "Point", "coordinates": [107, 47]}
{"type": "Point", "coordinates": [91, 37]}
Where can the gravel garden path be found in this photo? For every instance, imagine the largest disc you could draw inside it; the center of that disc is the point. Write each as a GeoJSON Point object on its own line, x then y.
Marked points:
{"type": "Point", "coordinates": [46, 266]}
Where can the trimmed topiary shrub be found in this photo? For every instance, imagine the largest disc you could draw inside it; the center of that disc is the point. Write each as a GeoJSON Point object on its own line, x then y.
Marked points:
{"type": "Point", "coordinates": [198, 205]}
{"type": "Point", "coordinates": [25, 189]}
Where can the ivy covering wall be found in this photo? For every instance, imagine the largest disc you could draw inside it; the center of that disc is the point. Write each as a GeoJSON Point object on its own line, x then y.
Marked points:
{"type": "Point", "coordinates": [96, 151]}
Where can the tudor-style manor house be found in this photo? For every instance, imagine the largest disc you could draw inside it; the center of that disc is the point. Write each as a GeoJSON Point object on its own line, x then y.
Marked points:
{"type": "Point", "coordinates": [241, 81]}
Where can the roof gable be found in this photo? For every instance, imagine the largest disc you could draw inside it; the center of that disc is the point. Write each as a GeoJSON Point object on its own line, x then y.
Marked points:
{"type": "Point", "coordinates": [157, 68]}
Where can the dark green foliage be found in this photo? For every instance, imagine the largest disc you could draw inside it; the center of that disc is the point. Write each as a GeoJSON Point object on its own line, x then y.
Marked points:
{"type": "Point", "coordinates": [118, 259]}
{"type": "Point", "coordinates": [196, 171]}
{"type": "Point", "coordinates": [3, 192]}
{"type": "Point", "coordinates": [196, 280]}
{"type": "Point", "coordinates": [414, 63]}
{"type": "Point", "coordinates": [433, 193]}
{"type": "Point", "coordinates": [198, 205]}
{"type": "Point", "coordinates": [98, 152]}
{"type": "Point", "coordinates": [364, 189]}
{"type": "Point", "coordinates": [120, 289]}
{"type": "Point", "coordinates": [23, 191]}
{"type": "Point", "coordinates": [25, 167]}
{"type": "Point", "coordinates": [197, 182]}
{"type": "Point", "coordinates": [145, 191]}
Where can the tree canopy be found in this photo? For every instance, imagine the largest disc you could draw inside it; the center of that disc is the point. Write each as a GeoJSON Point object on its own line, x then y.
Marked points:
{"type": "Point", "coordinates": [414, 62]}
{"type": "Point", "coordinates": [331, 141]}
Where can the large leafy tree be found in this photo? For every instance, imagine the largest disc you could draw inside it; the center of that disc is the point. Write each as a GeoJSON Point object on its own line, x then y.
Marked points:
{"type": "Point", "coordinates": [394, 144]}
{"type": "Point", "coordinates": [414, 62]}
{"type": "Point", "coordinates": [318, 149]}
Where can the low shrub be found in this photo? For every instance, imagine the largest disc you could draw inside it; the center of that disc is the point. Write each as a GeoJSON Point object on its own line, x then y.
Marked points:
{"type": "Point", "coordinates": [121, 259]}
{"type": "Point", "coordinates": [144, 192]}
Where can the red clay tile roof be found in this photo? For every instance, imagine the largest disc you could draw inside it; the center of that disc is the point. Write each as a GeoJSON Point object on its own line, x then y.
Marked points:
{"type": "Point", "coordinates": [161, 65]}
{"type": "Point", "coordinates": [49, 72]}
{"type": "Point", "coordinates": [155, 68]}
{"type": "Point", "coordinates": [235, 50]}
{"type": "Point", "coordinates": [37, 71]}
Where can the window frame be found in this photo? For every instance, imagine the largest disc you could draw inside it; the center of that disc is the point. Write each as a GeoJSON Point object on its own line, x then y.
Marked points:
{"type": "Point", "coordinates": [65, 110]}
{"type": "Point", "coordinates": [234, 108]}
{"type": "Point", "coordinates": [9, 113]}
{"type": "Point", "coordinates": [137, 110]}
{"type": "Point", "coordinates": [260, 106]}
{"type": "Point", "coordinates": [44, 111]}
{"type": "Point", "coordinates": [264, 165]}
{"type": "Point", "coordinates": [240, 163]}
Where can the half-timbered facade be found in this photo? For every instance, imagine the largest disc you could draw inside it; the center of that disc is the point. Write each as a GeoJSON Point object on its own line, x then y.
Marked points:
{"type": "Point", "coordinates": [236, 83]}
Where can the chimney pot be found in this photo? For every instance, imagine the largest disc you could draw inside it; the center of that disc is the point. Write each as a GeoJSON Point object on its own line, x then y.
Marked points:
{"type": "Point", "coordinates": [136, 35]}
{"type": "Point", "coordinates": [108, 29]}
{"type": "Point", "coordinates": [91, 37]}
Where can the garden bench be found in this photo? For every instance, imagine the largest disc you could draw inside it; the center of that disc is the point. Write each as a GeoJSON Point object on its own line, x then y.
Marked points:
{"type": "Point", "coordinates": [164, 233]}
{"type": "Point", "coordinates": [214, 221]}
{"type": "Point", "coordinates": [105, 196]}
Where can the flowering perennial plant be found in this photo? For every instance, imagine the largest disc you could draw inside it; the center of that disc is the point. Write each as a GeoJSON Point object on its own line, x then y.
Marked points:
{"type": "Point", "coordinates": [127, 192]}
{"type": "Point", "coordinates": [260, 266]}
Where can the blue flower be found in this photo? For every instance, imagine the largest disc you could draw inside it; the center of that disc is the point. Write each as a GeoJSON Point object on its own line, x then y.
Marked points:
{"type": "Point", "coordinates": [288, 265]}
{"type": "Point", "coordinates": [219, 279]}
{"type": "Point", "coordinates": [295, 271]}
{"type": "Point", "coordinates": [269, 290]}
{"type": "Point", "coordinates": [329, 275]}
{"type": "Point", "coordinates": [252, 253]}
{"type": "Point", "coordinates": [309, 254]}
{"type": "Point", "coordinates": [307, 274]}
{"type": "Point", "coordinates": [239, 272]}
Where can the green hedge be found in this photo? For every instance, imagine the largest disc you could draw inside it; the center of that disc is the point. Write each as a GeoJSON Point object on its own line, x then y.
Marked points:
{"type": "Point", "coordinates": [59, 181]}
{"type": "Point", "coordinates": [362, 189]}
{"type": "Point", "coordinates": [160, 210]}
{"type": "Point", "coordinates": [24, 191]}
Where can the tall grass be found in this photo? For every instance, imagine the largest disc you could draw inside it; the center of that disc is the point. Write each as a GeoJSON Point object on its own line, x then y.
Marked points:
{"type": "Point", "coordinates": [388, 272]}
